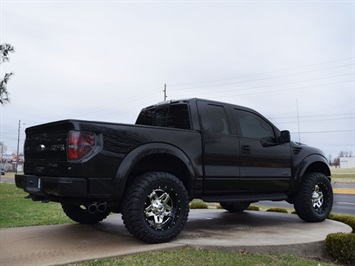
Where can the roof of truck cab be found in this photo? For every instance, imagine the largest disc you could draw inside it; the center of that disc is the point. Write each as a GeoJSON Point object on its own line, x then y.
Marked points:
{"type": "Point", "coordinates": [187, 100]}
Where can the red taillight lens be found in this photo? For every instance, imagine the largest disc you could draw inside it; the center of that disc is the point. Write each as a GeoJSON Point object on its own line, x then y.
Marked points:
{"type": "Point", "coordinates": [79, 144]}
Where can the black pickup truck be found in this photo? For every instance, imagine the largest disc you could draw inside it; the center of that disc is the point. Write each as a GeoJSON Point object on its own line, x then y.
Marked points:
{"type": "Point", "coordinates": [176, 151]}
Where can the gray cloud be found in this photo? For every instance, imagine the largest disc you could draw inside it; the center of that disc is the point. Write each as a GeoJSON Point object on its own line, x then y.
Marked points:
{"type": "Point", "coordinates": [107, 60]}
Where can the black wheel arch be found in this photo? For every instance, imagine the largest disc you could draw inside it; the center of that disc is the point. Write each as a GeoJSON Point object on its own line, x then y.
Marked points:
{"type": "Point", "coordinates": [155, 157]}
{"type": "Point", "coordinates": [313, 163]}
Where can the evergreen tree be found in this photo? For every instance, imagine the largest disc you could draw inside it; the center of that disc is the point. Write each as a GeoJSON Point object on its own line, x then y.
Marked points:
{"type": "Point", "coordinates": [5, 49]}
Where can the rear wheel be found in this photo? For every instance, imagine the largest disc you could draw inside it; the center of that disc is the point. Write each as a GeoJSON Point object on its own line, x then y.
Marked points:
{"type": "Point", "coordinates": [235, 206]}
{"type": "Point", "coordinates": [314, 201]}
{"type": "Point", "coordinates": [81, 214]}
{"type": "Point", "coordinates": [155, 207]}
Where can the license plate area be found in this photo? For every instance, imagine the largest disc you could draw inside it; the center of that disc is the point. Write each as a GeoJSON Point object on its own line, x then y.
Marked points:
{"type": "Point", "coordinates": [33, 184]}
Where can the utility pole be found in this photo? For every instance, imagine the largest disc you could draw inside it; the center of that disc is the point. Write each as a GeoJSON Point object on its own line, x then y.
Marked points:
{"type": "Point", "coordinates": [164, 92]}
{"type": "Point", "coordinates": [18, 144]}
{"type": "Point", "coordinates": [298, 122]}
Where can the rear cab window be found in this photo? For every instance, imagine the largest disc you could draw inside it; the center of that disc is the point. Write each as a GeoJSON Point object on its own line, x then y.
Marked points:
{"type": "Point", "coordinates": [172, 116]}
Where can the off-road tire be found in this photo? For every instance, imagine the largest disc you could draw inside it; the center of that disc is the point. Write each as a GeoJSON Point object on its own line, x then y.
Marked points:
{"type": "Point", "coordinates": [235, 206]}
{"type": "Point", "coordinates": [155, 207]}
{"type": "Point", "coordinates": [314, 200]}
{"type": "Point", "coordinates": [80, 214]}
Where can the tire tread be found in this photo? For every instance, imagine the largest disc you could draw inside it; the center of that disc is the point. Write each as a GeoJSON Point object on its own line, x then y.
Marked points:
{"type": "Point", "coordinates": [131, 213]}
{"type": "Point", "coordinates": [302, 201]}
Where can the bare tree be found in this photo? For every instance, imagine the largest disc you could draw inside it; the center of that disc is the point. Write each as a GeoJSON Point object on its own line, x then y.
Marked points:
{"type": "Point", "coordinates": [336, 162]}
{"type": "Point", "coordinates": [5, 49]}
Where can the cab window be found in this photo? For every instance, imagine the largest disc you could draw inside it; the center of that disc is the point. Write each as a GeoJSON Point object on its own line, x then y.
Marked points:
{"type": "Point", "coordinates": [253, 126]}
{"type": "Point", "coordinates": [218, 119]}
{"type": "Point", "coordinates": [174, 116]}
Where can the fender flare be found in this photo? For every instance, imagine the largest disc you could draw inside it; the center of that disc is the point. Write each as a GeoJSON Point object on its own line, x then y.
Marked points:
{"type": "Point", "coordinates": [134, 156]}
{"type": "Point", "coordinates": [304, 165]}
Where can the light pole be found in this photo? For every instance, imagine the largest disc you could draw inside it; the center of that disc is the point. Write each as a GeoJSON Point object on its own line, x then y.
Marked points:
{"type": "Point", "coordinates": [164, 92]}
{"type": "Point", "coordinates": [18, 144]}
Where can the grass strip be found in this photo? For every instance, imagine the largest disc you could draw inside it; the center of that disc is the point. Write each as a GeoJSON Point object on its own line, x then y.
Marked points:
{"type": "Point", "coordinates": [197, 257]}
{"type": "Point", "coordinates": [16, 211]}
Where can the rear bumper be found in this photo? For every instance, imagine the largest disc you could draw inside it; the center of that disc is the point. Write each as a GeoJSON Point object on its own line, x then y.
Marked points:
{"type": "Point", "coordinates": [53, 186]}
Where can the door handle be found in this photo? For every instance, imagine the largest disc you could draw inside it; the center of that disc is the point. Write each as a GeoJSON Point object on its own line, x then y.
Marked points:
{"type": "Point", "coordinates": [246, 149]}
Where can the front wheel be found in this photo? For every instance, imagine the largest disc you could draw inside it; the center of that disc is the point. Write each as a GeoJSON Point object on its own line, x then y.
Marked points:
{"type": "Point", "coordinates": [314, 200]}
{"type": "Point", "coordinates": [155, 207]}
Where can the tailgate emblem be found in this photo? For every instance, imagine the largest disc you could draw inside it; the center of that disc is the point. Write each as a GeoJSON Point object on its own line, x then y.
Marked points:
{"type": "Point", "coordinates": [41, 147]}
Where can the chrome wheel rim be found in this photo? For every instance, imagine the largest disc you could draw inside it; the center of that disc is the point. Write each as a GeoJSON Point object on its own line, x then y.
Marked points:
{"type": "Point", "coordinates": [317, 198]}
{"type": "Point", "coordinates": [159, 209]}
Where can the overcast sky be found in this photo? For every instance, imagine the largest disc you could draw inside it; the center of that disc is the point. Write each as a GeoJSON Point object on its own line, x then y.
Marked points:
{"type": "Point", "coordinates": [105, 60]}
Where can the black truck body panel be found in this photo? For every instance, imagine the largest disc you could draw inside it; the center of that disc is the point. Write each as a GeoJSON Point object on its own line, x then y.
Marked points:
{"type": "Point", "coordinates": [119, 148]}
{"type": "Point", "coordinates": [213, 153]}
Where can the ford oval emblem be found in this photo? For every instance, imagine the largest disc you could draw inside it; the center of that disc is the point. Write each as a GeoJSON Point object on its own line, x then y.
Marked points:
{"type": "Point", "coordinates": [41, 147]}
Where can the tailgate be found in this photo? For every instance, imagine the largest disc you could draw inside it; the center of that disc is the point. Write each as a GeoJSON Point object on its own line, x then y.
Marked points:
{"type": "Point", "coordinates": [46, 148]}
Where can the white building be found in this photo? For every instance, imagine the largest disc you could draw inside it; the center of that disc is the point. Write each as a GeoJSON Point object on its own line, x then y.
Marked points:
{"type": "Point", "coordinates": [347, 162]}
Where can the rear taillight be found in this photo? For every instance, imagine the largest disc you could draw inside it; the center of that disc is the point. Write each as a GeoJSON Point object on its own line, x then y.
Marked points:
{"type": "Point", "coordinates": [79, 144]}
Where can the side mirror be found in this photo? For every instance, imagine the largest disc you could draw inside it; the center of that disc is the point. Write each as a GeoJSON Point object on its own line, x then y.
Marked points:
{"type": "Point", "coordinates": [285, 137]}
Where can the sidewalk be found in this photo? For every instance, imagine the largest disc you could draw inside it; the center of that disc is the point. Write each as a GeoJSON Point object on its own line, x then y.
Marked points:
{"type": "Point", "coordinates": [250, 231]}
